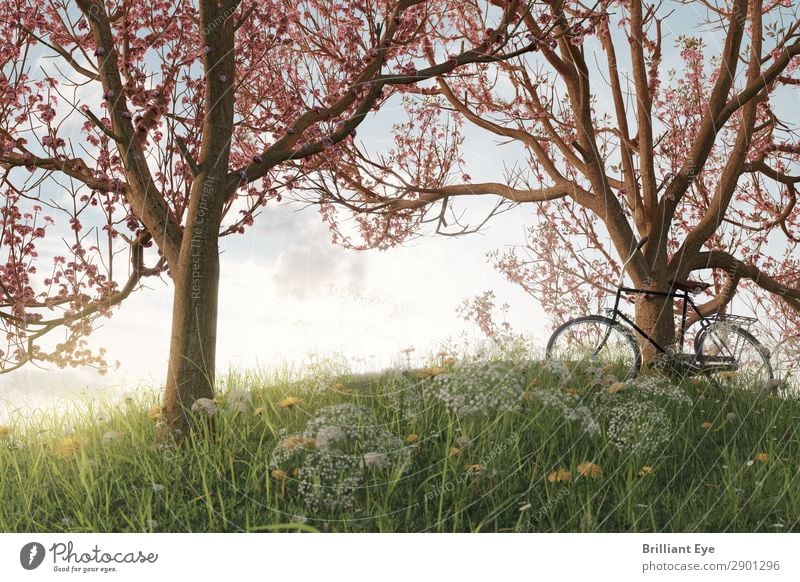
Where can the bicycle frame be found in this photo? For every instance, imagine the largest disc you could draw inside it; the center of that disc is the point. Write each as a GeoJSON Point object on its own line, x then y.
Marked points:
{"type": "Point", "coordinates": [694, 363]}
{"type": "Point", "coordinates": [616, 314]}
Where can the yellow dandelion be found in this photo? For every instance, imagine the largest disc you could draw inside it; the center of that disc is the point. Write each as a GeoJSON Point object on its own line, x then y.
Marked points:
{"type": "Point", "coordinates": [706, 425]}
{"type": "Point", "coordinates": [449, 362]}
{"type": "Point", "coordinates": [646, 470]}
{"type": "Point", "coordinates": [155, 413]}
{"type": "Point", "coordinates": [289, 402]}
{"type": "Point", "coordinates": [762, 457]}
{"type": "Point", "coordinates": [474, 469]}
{"type": "Point", "coordinates": [430, 372]}
{"type": "Point", "coordinates": [412, 438]}
{"type": "Point", "coordinates": [616, 387]}
{"type": "Point", "coordinates": [341, 388]}
{"type": "Point", "coordinates": [567, 390]}
{"type": "Point", "coordinates": [258, 411]}
{"type": "Point", "coordinates": [67, 447]}
{"type": "Point", "coordinates": [561, 475]}
{"type": "Point", "coordinates": [589, 469]}
{"type": "Point", "coordinates": [279, 474]}
{"type": "Point", "coordinates": [219, 401]}
{"type": "Point", "coordinates": [297, 441]}
{"type": "Point", "coordinates": [728, 375]}
{"type": "Point", "coordinates": [455, 452]}
{"type": "Point", "coordinates": [296, 472]}
{"type": "Point", "coordinates": [5, 431]}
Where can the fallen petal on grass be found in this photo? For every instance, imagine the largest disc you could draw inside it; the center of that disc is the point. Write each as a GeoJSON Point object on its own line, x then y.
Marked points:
{"type": "Point", "coordinates": [67, 447]}
{"type": "Point", "coordinates": [616, 387]}
{"type": "Point", "coordinates": [560, 476]}
{"type": "Point", "coordinates": [289, 402]}
{"type": "Point", "coordinates": [589, 469]}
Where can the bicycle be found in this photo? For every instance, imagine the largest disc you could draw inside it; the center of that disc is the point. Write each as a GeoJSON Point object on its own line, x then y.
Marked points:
{"type": "Point", "coordinates": [722, 345]}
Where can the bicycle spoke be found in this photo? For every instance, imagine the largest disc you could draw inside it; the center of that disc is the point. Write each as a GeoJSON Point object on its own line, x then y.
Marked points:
{"type": "Point", "coordinates": [730, 351]}
{"type": "Point", "coordinates": [592, 345]}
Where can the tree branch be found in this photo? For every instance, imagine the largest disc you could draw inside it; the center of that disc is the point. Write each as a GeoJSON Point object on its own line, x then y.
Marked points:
{"type": "Point", "coordinates": [143, 195]}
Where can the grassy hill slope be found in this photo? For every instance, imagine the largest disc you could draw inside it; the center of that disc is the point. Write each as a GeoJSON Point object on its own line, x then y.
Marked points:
{"type": "Point", "coordinates": [481, 446]}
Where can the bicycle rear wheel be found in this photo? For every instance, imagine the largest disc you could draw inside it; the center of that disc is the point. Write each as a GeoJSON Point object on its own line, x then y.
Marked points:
{"type": "Point", "coordinates": [591, 343]}
{"type": "Point", "coordinates": [729, 350]}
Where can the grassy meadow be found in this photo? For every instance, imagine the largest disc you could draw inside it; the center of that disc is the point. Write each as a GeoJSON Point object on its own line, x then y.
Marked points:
{"type": "Point", "coordinates": [459, 446]}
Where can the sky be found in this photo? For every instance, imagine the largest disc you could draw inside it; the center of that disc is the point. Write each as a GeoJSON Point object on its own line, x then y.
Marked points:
{"type": "Point", "coordinates": [289, 296]}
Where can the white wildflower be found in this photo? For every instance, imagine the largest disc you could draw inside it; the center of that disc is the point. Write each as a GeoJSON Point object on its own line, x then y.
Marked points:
{"type": "Point", "coordinates": [639, 428]}
{"type": "Point", "coordinates": [374, 459]}
{"type": "Point", "coordinates": [204, 405]}
{"type": "Point", "coordinates": [565, 404]}
{"type": "Point", "coordinates": [111, 437]}
{"type": "Point", "coordinates": [238, 400]}
{"type": "Point", "coordinates": [239, 395]}
{"type": "Point", "coordinates": [484, 387]}
{"type": "Point", "coordinates": [327, 435]}
{"type": "Point", "coordinates": [331, 460]}
{"type": "Point", "coordinates": [659, 387]}
{"type": "Point", "coordinates": [238, 406]}
{"type": "Point", "coordinates": [463, 441]}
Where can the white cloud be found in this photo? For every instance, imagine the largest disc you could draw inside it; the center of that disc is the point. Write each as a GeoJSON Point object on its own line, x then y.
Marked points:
{"type": "Point", "coordinates": [286, 292]}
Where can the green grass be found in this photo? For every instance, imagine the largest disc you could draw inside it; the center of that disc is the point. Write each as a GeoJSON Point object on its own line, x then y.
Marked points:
{"type": "Point", "coordinates": [741, 474]}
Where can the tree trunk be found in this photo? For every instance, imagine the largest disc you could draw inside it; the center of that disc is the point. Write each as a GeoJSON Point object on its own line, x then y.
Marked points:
{"type": "Point", "coordinates": [656, 317]}
{"type": "Point", "coordinates": [191, 369]}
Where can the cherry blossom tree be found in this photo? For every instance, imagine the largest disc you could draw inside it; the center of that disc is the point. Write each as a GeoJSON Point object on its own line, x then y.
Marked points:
{"type": "Point", "coordinates": [694, 147]}
{"type": "Point", "coordinates": [133, 135]}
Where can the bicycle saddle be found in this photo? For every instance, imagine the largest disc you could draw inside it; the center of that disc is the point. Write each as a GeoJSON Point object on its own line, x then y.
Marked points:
{"type": "Point", "coordinates": [689, 285]}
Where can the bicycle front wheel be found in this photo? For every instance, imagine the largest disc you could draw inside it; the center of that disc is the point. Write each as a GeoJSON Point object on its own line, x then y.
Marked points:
{"type": "Point", "coordinates": [595, 343]}
{"type": "Point", "coordinates": [730, 351]}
